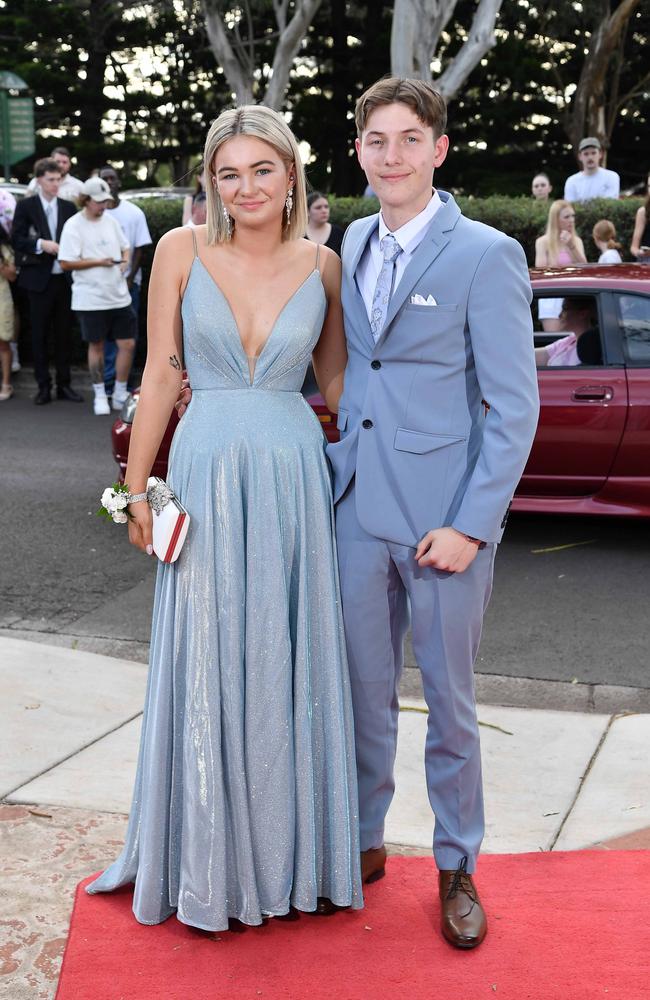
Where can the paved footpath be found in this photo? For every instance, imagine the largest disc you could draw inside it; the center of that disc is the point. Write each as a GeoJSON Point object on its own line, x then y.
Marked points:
{"type": "Point", "coordinates": [69, 729]}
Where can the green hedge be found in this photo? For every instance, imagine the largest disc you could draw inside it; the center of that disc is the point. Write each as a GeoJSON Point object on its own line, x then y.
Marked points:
{"type": "Point", "coordinates": [521, 217]}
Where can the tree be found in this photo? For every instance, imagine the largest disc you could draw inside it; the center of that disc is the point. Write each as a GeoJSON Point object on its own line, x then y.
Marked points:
{"type": "Point", "coordinates": [242, 51]}
{"type": "Point", "coordinates": [596, 56]}
{"type": "Point", "coordinates": [417, 29]}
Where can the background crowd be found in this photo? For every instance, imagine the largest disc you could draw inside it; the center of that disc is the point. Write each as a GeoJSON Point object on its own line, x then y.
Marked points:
{"type": "Point", "coordinates": [72, 253]}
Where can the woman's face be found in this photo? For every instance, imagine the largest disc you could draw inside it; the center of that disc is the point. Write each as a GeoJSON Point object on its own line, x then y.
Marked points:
{"type": "Point", "coordinates": [567, 219]}
{"type": "Point", "coordinates": [319, 211]}
{"type": "Point", "coordinates": [541, 187]}
{"type": "Point", "coordinates": [252, 180]}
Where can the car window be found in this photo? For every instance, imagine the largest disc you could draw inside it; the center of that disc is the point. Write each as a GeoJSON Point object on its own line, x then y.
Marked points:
{"type": "Point", "coordinates": [566, 331]}
{"type": "Point", "coordinates": [634, 315]}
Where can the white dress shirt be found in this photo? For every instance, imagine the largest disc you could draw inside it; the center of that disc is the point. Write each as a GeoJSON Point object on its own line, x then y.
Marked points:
{"type": "Point", "coordinates": [409, 236]}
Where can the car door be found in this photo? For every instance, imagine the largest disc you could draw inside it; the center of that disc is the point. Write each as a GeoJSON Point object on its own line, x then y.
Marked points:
{"type": "Point", "coordinates": [630, 474]}
{"type": "Point", "coordinates": [582, 415]}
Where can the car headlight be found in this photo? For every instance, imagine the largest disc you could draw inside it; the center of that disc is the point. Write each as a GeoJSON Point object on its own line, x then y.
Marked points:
{"type": "Point", "coordinates": [128, 410]}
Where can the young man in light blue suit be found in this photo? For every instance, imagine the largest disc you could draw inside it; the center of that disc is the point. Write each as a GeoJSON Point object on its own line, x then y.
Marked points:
{"type": "Point", "coordinates": [437, 418]}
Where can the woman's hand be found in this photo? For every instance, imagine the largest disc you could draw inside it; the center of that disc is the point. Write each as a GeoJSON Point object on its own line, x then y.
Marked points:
{"type": "Point", "coordinates": [184, 397]}
{"type": "Point", "coordinates": [141, 526]}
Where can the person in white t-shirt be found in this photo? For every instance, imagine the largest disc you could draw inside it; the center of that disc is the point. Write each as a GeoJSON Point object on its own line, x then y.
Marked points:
{"type": "Point", "coordinates": [95, 249]}
{"type": "Point", "coordinates": [70, 187]}
{"type": "Point", "coordinates": [593, 181]}
{"type": "Point", "coordinates": [134, 226]}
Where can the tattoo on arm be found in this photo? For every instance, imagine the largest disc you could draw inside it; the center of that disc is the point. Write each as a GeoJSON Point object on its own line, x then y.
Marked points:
{"type": "Point", "coordinates": [174, 362]}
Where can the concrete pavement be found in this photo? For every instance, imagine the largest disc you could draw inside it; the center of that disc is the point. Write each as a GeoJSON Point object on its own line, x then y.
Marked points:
{"type": "Point", "coordinates": [69, 730]}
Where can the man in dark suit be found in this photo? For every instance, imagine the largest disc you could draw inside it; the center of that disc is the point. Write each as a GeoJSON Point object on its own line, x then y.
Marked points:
{"type": "Point", "coordinates": [37, 226]}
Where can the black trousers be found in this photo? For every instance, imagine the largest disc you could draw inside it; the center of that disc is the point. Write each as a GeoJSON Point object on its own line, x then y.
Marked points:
{"type": "Point", "coordinates": [50, 314]}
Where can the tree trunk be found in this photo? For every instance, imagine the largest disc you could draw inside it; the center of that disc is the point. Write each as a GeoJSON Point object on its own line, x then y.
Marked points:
{"type": "Point", "coordinates": [239, 63]}
{"type": "Point", "coordinates": [587, 113]}
{"type": "Point", "coordinates": [289, 42]}
{"type": "Point", "coordinates": [416, 31]}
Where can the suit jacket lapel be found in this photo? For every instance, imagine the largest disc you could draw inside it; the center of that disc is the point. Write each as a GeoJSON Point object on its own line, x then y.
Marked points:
{"type": "Point", "coordinates": [60, 220]}
{"type": "Point", "coordinates": [433, 243]}
{"type": "Point", "coordinates": [41, 220]}
{"type": "Point", "coordinates": [351, 262]}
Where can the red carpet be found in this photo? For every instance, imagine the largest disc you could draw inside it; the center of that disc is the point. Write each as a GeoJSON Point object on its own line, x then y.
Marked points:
{"type": "Point", "coordinates": [566, 926]}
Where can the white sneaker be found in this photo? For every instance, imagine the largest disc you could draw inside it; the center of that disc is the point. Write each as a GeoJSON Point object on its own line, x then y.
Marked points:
{"type": "Point", "coordinates": [119, 401]}
{"type": "Point", "coordinates": [100, 406]}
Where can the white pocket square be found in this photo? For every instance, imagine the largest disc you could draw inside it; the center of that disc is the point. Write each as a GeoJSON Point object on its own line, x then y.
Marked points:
{"type": "Point", "coordinates": [419, 300]}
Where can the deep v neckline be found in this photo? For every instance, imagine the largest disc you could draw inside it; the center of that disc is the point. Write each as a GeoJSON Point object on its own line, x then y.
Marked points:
{"type": "Point", "coordinates": [247, 358]}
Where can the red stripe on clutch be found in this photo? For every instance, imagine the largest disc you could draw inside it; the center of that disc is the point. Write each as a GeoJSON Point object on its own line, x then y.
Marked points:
{"type": "Point", "coordinates": [175, 535]}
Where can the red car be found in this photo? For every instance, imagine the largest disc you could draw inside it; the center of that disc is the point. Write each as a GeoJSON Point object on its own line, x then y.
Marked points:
{"type": "Point", "coordinates": [591, 453]}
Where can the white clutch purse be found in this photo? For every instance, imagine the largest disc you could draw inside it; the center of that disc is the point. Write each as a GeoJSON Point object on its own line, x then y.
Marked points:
{"type": "Point", "coordinates": [170, 520]}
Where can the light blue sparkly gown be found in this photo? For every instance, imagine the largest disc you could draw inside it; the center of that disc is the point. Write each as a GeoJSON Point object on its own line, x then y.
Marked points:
{"type": "Point", "coordinates": [245, 799]}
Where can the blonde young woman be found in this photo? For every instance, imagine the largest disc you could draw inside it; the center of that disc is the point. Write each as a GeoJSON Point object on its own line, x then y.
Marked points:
{"type": "Point", "coordinates": [245, 801]}
{"type": "Point", "coordinates": [560, 246]}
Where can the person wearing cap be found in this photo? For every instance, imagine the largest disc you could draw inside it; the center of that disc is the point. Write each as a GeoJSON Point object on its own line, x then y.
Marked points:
{"type": "Point", "coordinates": [94, 248]}
{"type": "Point", "coordinates": [36, 231]}
{"type": "Point", "coordinates": [134, 226]}
{"type": "Point", "coordinates": [593, 181]}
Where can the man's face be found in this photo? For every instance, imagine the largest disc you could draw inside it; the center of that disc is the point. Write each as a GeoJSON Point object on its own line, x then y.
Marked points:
{"type": "Point", "coordinates": [399, 153]}
{"type": "Point", "coordinates": [63, 161]}
{"type": "Point", "coordinates": [96, 209]}
{"type": "Point", "coordinates": [49, 183]}
{"type": "Point", "coordinates": [590, 159]}
{"type": "Point", "coordinates": [111, 178]}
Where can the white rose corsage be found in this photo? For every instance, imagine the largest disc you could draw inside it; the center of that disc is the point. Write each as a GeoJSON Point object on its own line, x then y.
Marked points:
{"type": "Point", "coordinates": [171, 521]}
{"type": "Point", "coordinates": [114, 502]}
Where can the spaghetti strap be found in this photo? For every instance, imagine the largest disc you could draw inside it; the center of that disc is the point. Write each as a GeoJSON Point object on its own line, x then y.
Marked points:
{"type": "Point", "coordinates": [196, 249]}
{"type": "Point", "coordinates": [317, 267]}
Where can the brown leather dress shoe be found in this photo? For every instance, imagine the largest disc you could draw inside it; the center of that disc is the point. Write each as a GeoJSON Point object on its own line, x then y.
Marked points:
{"type": "Point", "coordinates": [463, 919]}
{"type": "Point", "coordinates": [373, 864]}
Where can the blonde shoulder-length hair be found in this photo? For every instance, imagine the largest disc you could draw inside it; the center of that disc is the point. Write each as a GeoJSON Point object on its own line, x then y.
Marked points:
{"type": "Point", "coordinates": [265, 124]}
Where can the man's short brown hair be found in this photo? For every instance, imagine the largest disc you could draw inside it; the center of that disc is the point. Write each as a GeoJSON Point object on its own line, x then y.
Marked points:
{"type": "Point", "coordinates": [418, 95]}
{"type": "Point", "coordinates": [46, 166]}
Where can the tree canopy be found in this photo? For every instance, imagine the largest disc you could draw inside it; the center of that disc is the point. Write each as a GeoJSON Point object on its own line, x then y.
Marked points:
{"type": "Point", "coordinates": [138, 83]}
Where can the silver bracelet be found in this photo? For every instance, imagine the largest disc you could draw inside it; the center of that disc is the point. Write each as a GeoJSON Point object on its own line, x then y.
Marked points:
{"type": "Point", "coordinates": [136, 497]}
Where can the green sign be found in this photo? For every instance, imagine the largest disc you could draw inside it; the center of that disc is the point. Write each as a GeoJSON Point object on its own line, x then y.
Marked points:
{"type": "Point", "coordinates": [17, 131]}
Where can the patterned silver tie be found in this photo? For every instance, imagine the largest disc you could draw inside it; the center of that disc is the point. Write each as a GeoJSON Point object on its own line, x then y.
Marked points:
{"type": "Point", "coordinates": [384, 287]}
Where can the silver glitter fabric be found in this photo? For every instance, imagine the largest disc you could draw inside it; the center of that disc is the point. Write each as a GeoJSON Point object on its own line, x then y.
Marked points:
{"type": "Point", "coordinates": [245, 799]}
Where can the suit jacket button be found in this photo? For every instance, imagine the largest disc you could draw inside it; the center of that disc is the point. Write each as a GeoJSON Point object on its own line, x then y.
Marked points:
{"type": "Point", "coordinates": [367, 424]}
{"type": "Point", "coordinates": [375, 365]}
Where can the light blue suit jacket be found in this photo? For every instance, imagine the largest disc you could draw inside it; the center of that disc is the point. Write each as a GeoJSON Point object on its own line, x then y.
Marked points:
{"type": "Point", "coordinates": [414, 428]}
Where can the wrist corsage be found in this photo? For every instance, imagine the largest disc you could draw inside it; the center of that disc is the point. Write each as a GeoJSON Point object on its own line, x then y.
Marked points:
{"type": "Point", "coordinates": [114, 502]}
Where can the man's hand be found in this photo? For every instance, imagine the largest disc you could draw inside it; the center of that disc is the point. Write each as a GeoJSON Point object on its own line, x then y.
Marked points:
{"type": "Point", "coordinates": [50, 246]}
{"type": "Point", "coordinates": [446, 549]}
{"type": "Point", "coordinates": [184, 397]}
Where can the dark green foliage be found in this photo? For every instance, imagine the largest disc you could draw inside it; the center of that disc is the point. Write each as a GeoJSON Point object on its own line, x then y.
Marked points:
{"type": "Point", "coordinates": [522, 218]}
{"type": "Point", "coordinates": [162, 214]}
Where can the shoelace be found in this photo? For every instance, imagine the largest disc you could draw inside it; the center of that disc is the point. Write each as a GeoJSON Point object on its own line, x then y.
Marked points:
{"type": "Point", "coordinates": [461, 880]}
